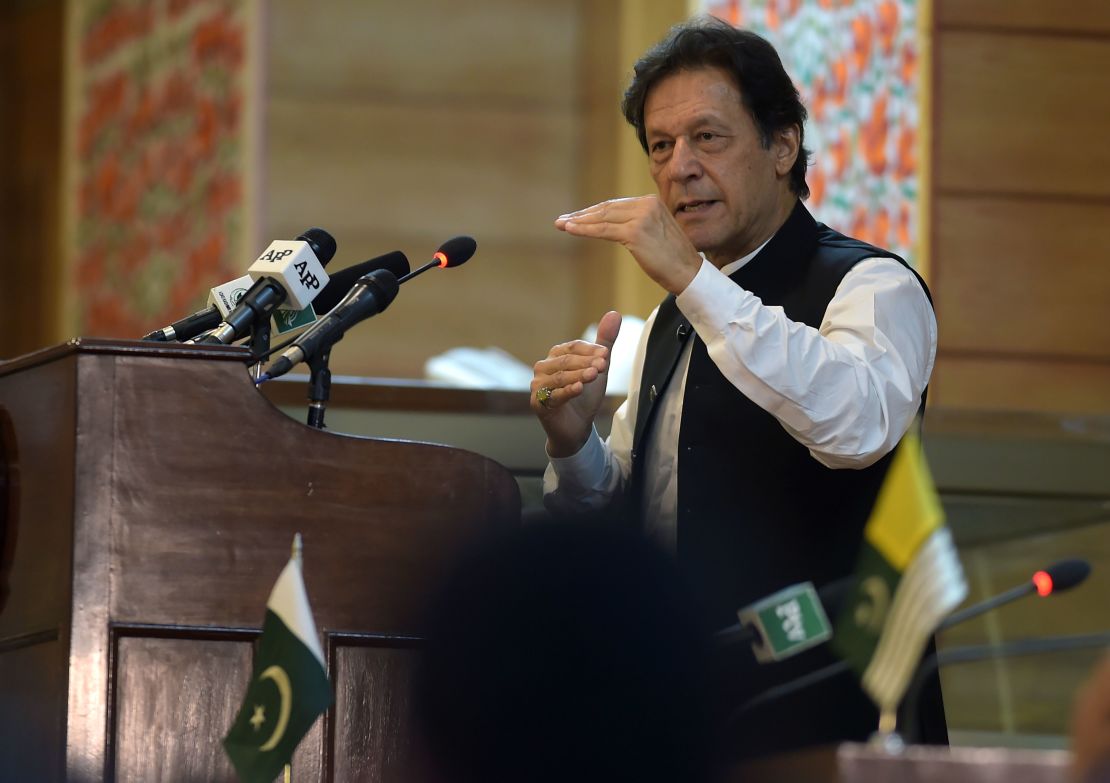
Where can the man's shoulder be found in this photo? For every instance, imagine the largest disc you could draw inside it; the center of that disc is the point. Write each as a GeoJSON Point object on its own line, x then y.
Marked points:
{"type": "Point", "coordinates": [842, 244]}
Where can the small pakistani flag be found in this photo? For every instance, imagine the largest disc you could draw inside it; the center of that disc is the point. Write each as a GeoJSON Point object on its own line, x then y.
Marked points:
{"type": "Point", "coordinates": [908, 578]}
{"type": "Point", "coordinates": [289, 686]}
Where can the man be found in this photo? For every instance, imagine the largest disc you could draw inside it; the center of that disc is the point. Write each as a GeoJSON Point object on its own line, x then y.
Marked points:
{"type": "Point", "coordinates": [774, 380]}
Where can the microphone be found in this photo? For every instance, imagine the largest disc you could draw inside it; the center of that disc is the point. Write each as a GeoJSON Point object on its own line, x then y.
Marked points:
{"type": "Point", "coordinates": [1057, 578]}
{"type": "Point", "coordinates": [787, 622]}
{"type": "Point", "coordinates": [371, 295]}
{"type": "Point", "coordinates": [456, 251]}
{"type": "Point", "coordinates": [292, 271]}
{"type": "Point", "coordinates": [339, 285]}
{"type": "Point", "coordinates": [221, 300]}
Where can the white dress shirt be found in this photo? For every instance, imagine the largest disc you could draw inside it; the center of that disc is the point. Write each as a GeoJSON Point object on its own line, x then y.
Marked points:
{"type": "Point", "coordinates": [847, 391]}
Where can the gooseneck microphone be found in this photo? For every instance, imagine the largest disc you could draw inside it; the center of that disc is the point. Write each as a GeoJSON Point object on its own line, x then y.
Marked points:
{"type": "Point", "coordinates": [188, 327]}
{"type": "Point", "coordinates": [292, 271]}
{"type": "Point", "coordinates": [1057, 578]}
{"type": "Point", "coordinates": [371, 295]}
{"type": "Point", "coordinates": [456, 251]}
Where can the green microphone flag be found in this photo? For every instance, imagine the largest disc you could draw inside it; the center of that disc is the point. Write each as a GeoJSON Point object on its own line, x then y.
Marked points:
{"type": "Point", "coordinates": [289, 686]}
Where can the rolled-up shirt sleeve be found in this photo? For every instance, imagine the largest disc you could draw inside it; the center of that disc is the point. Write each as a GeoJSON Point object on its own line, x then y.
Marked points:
{"type": "Point", "coordinates": [847, 390]}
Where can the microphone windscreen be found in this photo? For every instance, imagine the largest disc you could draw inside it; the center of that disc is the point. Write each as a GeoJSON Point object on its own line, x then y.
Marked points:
{"type": "Point", "coordinates": [344, 280]}
{"type": "Point", "coordinates": [456, 250]}
{"type": "Point", "coordinates": [1068, 573]}
{"type": "Point", "coordinates": [385, 285]}
{"type": "Point", "coordinates": [322, 243]}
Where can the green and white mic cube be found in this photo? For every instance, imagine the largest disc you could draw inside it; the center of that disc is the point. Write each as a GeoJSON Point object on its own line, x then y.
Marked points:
{"type": "Point", "coordinates": [790, 621]}
{"type": "Point", "coordinates": [291, 320]}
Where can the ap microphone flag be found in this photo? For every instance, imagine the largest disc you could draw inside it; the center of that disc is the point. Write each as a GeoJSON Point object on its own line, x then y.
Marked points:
{"type": "Point", "coordinates": [908, 578]}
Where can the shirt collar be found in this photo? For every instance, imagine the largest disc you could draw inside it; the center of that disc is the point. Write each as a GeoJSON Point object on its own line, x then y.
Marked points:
{"type": "Point", "coordinates": [732, 266]}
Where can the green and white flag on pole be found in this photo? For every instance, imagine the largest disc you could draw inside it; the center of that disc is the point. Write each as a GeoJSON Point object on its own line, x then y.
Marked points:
{"type": "Point", "coordinates": [289, 686]}
{"type": "Point", "coordinates": [908, 579]}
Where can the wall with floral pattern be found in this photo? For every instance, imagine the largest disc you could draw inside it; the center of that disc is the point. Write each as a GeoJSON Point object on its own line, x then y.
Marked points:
{"type": "Point", "coordinates": [158, 163]}
{"type": "Point", "coordinates": [856, 65]}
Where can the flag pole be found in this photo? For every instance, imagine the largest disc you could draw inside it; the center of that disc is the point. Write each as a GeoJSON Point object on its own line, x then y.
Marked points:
{"type": "Point", "coordinates": [298, 556]}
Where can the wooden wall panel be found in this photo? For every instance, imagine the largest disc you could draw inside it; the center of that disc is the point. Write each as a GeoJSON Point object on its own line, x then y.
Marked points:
{"type": "Point", "coordinates": [374, 740]}
{"type": "Point", "coordinates": [1022, 114]}
{"type": "Point", "coordinates": [999, 383]}
{"type": "Point", "coordinates": [165, 701]}
{"type": "Point", "coordinates": [1023, 277]}
{"type": "Point", "coordinates": [421, 171]}
{"type": "Point", "coordinates": [437, 51]}
{"type": "Point", "coordinates": [398, 130]}
{"type": "Point", "coordinates": [1073, 16]}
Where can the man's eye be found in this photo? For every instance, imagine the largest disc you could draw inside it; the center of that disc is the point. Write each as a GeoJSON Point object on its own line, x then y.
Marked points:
{"type": "Point", "coordinates": [660, 146]}
{"type": "Point", "coordinates": [707, 136]}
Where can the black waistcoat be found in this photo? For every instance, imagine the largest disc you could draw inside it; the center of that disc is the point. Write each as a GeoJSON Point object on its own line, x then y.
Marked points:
{"type": "Point", "coordinates": [755, 511]}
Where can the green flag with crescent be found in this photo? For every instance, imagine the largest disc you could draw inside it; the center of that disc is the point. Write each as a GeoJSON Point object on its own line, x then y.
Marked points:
{"type": "Point", "coordinates": [289, 686]}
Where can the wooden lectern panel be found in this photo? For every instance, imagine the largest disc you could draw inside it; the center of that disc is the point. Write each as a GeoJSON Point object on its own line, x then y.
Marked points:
{"type": "Point", "coordinates": [156, 499]}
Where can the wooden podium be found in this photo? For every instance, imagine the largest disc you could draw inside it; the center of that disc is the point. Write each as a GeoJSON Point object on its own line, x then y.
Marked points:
{"type": "Point", "coordinates": [148, 499]}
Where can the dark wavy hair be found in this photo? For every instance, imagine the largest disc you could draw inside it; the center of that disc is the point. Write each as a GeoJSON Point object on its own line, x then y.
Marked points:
{"type": "Point", "coordinates": [765, 88]}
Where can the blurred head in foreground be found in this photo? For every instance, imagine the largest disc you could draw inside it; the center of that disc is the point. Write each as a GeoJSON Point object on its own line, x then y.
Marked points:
{"type": "Point", "coordinates": [564, 653]}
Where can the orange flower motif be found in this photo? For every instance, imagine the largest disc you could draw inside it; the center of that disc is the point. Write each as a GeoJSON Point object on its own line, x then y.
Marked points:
{"type": "Point", "coordinates": [861, 42]}
{"type": "Point", "coordinates": [207, 127]}
{"type": "Point", "coordinates": [114, 29]}
{"type": "Point", "coordinates": [815, 178]}
{"type": "Point", "coordinates": [888, 25]}
{"type": "Point", "coordinates": [91, 267]}
{"type": "Point", "coordinates": [880, 231]}
{"type": "Point", "coordinates": [908, 70]}
{"type": "Point", "coordinates": [105, 180]}
{"type": "Point", "coordinates": [873, 135]}
{"type": "Point", "coordinates": [903, 225]}
{"type": "Point", "coordinates": [773, 20]}
{"type": "Point", "coordinates": [840, 80]}
{"type": "Point", "coordinates": [906, 163]}
{"type": "Point", "coordinates": [838, 150]}
{"type": "Point", "coordinates": [859, 225]}
{"type": "Point", "coordinates": [818, 98]}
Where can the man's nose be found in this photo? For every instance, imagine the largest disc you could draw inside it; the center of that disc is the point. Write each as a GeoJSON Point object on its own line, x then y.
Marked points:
{"type": "Point", "coordinates": [684, 163]}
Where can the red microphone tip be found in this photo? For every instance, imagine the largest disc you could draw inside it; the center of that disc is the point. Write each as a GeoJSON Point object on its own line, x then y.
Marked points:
{"type": "Point", "coordinates": [1043, 583]}
{"type": "Point", "coordinates": [442, 259]}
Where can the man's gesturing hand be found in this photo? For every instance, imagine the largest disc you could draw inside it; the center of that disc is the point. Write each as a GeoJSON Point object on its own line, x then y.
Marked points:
{"type": "Point", "coordinates": [646, 227]}
{"type": "Point", "coordinates": [568, 387]}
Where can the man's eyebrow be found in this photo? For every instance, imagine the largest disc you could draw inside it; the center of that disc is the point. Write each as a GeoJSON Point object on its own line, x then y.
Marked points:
{"type": "Point", "coordinates": [706, 118]}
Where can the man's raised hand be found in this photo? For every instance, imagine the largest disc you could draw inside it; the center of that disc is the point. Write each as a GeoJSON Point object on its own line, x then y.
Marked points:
{"type": "Point", "coordinates": [568, 387]}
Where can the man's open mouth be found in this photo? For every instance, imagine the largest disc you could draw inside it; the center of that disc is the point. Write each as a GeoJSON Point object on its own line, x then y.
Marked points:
{"type": "Point", "coordinates": [694, 206]}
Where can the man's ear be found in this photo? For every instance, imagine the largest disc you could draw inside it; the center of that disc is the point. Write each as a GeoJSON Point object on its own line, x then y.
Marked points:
{"type": "Point", "coordinates": [785, 147]}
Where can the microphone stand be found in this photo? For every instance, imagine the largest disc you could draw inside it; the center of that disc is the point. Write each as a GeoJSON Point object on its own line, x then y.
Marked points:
{"type": "Point", "coordinates": [259, 344]}
{"type": "Point", "coordinates": [319, 388]}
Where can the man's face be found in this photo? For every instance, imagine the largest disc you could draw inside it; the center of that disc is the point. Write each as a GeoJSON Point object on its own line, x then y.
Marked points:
{"type": "Point", "coordinates": [727, 192]}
